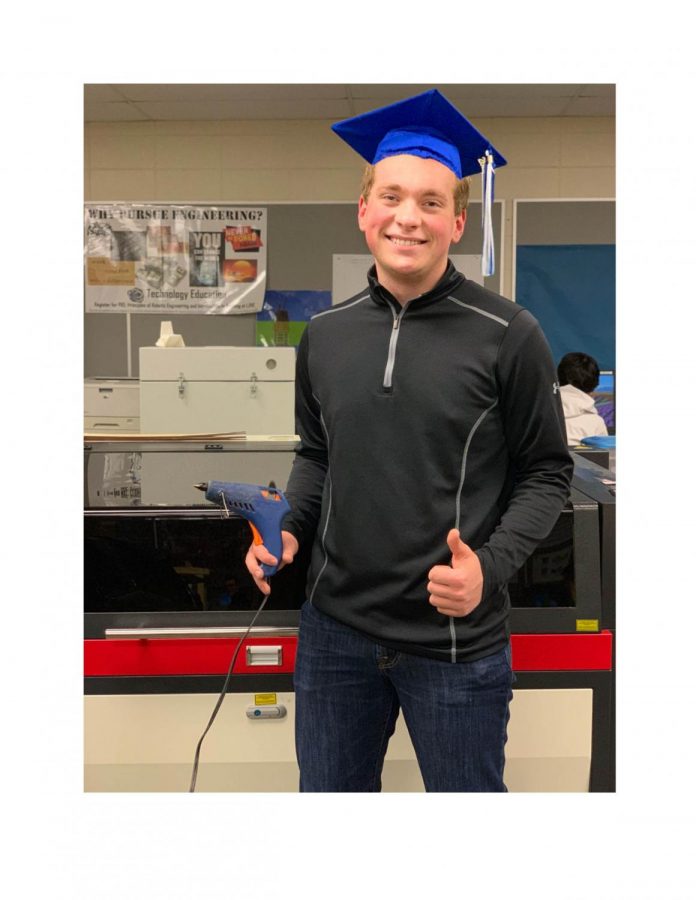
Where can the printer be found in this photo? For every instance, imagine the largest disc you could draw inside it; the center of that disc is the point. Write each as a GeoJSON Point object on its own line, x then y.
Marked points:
{"type": "Point", "coordinates": [112, 404]}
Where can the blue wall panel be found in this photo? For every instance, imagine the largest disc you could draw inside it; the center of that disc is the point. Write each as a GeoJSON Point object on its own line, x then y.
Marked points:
{"type": "Point", "coordinates": [571, 290]}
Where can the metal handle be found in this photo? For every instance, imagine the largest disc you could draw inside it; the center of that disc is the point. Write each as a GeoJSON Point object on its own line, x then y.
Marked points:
{"type": "Point", "coordinates": [158, 634]}
{"type": "Point", "coordinates": [263, 655]}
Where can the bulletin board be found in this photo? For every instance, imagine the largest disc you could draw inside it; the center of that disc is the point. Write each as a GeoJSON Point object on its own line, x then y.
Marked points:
{"type": "Point", "coordinates": [565, 273]}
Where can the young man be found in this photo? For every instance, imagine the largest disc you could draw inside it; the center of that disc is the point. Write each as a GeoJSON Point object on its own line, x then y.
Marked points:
{"type": "Point", "coordinates": [432, 461]}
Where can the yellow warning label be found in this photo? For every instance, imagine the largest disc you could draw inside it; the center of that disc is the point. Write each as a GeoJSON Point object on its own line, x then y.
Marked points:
{"type": "Point", "coordinates": [587, 624]}
{"type": "Point", "coordinates": [265, 699]}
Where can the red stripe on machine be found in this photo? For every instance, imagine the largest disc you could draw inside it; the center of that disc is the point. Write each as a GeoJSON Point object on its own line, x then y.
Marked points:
{"type": "Point", "coordinates": [196, 656]}
{"type": "Point", "coordinates": [561, 652]}
{"type": "Point", "coordinates": [212, 656]}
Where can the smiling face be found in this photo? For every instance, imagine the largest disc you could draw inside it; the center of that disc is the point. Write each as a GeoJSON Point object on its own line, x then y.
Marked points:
{"type": "Point", "coordinates": [409, 223]}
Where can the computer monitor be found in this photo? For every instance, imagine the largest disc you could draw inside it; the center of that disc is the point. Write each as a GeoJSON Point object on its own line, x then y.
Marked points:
{"type": "Point", "coordinates": [605, 398]}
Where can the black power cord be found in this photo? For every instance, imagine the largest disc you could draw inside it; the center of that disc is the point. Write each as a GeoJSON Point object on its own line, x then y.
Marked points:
{"type": "Point", "coordinates": [194, 774]}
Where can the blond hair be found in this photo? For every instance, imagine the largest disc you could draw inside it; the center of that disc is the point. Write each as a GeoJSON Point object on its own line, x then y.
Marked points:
{"type": "Point", "coordinates": [461, 189]}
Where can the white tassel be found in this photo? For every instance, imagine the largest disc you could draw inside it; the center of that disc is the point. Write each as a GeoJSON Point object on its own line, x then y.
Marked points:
{"type": "Point", "coordinates": [488, 177]}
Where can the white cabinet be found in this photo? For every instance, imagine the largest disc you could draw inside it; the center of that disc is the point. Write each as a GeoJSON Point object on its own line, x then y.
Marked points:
{"type": "Point", "coordinates": [194, 390]}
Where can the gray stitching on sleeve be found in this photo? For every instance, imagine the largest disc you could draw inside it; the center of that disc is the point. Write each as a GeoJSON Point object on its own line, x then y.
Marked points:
{"type": "Point", "coordinates": [458, 507]}
{"type": "Point", "coordinates": [481, 312]}
{"type": "Point", "coordinates": [328, 512]}
{"type": "Point", "coordinates": [327, 311]}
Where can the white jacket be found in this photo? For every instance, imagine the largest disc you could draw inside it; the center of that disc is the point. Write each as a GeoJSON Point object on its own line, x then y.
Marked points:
{"type": "Point", "coordinates": [581, 418]}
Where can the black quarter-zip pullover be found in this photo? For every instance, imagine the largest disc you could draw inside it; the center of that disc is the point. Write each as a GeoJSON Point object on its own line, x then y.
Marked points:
{"type": "Point", "coordinates": [413, 420]}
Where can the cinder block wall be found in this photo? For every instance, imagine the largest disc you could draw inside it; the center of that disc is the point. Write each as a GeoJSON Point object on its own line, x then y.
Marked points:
{"type": "Point", "coordinates": [303, 161]}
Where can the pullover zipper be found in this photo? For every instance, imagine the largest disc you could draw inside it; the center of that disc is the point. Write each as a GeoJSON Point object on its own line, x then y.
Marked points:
{"type": "Point", "coordinates": [391, 356]}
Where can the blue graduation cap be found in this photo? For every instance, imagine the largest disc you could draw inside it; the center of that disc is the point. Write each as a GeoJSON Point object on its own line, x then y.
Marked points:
{"type": "Point", "coordinates": [429, 126]}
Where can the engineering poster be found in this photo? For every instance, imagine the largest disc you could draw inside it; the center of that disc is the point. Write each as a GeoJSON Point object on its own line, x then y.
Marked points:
{"type": "Point", "coordinates": [157, 258]}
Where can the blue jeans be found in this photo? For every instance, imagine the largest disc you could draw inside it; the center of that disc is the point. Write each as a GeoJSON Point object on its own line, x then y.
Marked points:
{"type": "Point", "coordinates": [348, 693]}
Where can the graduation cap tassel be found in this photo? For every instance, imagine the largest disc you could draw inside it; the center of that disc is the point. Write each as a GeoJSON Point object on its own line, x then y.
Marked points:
{"type": "Point", "coordinates": [487, 179]}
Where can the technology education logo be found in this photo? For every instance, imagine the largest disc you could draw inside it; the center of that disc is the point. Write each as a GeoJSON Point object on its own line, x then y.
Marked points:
{"type": "Point", "coordinates": [135, 295]}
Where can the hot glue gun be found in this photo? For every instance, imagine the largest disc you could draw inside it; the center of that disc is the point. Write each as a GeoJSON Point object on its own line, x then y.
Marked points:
{"type": "Point", "coordinates": [263, 507]}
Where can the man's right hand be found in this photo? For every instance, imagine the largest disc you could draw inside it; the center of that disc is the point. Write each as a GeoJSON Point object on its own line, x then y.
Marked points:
{"type": "Point", "coordinates": [259, 554]}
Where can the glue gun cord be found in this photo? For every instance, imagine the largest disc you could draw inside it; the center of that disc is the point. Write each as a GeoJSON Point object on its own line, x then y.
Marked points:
{"type": "Point", "coordinates": [194, 774]}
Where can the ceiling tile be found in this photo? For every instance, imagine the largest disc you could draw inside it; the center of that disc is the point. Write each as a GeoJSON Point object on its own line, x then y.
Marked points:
{"type": "Point", "coordinates": [454, 91]}
{"type": "Point", "coordinates": [225, 92]}
{"type": "Point", "coordinates": [505, 91]}
{"type": "Point", "coordinates": [591, 106]}
{"type": "Point", "coordinates": [225, 102]}
{"type": "Point", "coordinates": [598, 90]}
{"type": "Point", "coordinates": [102, 92]}
{"type": "Point", "coordinates": [486, 107]}
{"type": "Point", "coordinates": [247, 109]}
{"type": "Point", "coordinates": [387, 91]}
{"type": "Point", "coordinates": [112, 112]}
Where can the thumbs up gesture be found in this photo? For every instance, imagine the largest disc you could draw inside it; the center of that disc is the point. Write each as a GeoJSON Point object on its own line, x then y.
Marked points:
{"type": "Point", "coordinates": [456, 590]}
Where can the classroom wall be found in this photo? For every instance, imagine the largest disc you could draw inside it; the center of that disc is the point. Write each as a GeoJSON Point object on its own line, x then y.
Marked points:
{"type": "Point", "coordinates": [303, 161]}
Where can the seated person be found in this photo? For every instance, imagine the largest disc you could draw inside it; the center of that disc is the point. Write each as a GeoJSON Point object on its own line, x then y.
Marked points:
{"type": "Point", "coordinates": [578, 376]}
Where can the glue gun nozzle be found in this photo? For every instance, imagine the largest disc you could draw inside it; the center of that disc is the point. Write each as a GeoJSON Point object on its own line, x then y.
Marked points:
{"type": "Point", "coordinates": [202, 486]}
